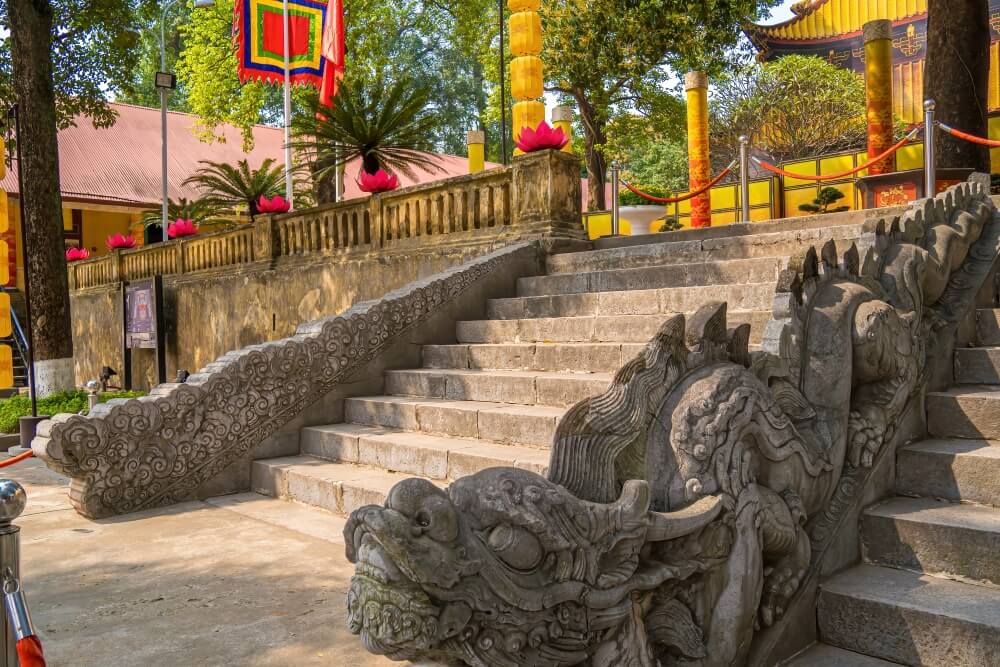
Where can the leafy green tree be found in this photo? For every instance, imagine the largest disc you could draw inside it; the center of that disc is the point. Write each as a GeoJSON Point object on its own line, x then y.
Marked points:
{"type": "Point", "coordinates": [609, 56]}
{"type": "Point", "coordinates": [825, 198]}
{"type": "Point", "coordinates": [230, 187]}
{"type": "Point", "coordinates": [790, 108]}
{"type": "Point", "coordinates": [58, 59]}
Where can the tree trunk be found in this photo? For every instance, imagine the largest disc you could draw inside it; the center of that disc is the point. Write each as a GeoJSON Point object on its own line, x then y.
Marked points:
{"type": "Point", "coordinates": [594, 137]}
{"type": "Point", "coordinates": [31, 41]}
{"type": "Point", "coordinates": [957, 77]}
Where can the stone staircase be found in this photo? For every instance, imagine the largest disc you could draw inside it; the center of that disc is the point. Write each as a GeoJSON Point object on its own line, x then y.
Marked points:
{"type": "Point", "coordinates": [494, 397]}
{"type": "Point", "coordinates": [926, 593]}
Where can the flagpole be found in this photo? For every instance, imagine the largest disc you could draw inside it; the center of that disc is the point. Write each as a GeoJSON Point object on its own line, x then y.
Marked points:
{"type": "Point", "coordinates": [288, 110]}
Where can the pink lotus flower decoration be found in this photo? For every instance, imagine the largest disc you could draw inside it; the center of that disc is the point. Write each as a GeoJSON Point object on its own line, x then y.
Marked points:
{"type": "Point", "coordinates": [120, 241]}
{"type": "Point", "coordinates": [543, 137]}
{"type": "Point", "coordinates": [181, 228]}
{"type": "Point", "coordinates": [276, 204]}
{"type": "Point", "coordinates": [76, 254]}
{"type": "Point", "coordinates": [380, 181]}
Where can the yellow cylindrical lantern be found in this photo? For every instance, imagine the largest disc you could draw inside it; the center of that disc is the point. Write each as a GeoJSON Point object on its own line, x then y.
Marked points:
{"type": "Point", "coordinates": [699, 163]}
{"type": "Point", "coordinates": [527, 75]}
{"type": "Point", "coordinates": [526, 78]}
{"type": "Point", "coordinates": [878, 87]}
{"type": "Point", "coordinates": [562, 118]}
{"type": "Point", "coordinates": [524, 5]}
{"type": "Point", "coordinates": [476, 140]}
{"type": "Point", "coordinates": [525, 34]}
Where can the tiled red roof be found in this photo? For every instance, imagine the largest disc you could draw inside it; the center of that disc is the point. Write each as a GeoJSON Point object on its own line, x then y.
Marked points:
{"type": "Point", "coordinates": [121, 164]}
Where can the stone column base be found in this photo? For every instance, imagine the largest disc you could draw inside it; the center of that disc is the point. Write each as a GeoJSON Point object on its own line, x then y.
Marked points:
{"type": "Point", "coordinates": [54, 375]}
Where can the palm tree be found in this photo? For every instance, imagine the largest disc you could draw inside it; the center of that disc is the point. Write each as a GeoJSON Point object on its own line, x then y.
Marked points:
{"type": "Point", "coordinates": [385, 125]}
{"type": "Point", "coordinates": [229, 187]}
{"type": "Point", "coordinates": [201, 211]}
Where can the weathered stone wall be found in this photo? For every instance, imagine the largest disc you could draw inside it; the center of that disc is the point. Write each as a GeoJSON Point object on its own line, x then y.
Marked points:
{"type": "Point", "coordinates": [211, 313]}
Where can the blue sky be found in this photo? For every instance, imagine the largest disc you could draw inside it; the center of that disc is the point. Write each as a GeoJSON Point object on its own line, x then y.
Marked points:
{"type": "Point", "coordinates": [782, 13]}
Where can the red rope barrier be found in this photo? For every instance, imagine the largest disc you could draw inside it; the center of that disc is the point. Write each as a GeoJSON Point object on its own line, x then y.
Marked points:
{"type": "Point", "coordinates": [29, 652]}
{"type": "Point", "coordinates": [844, 174]}
{"type": "Point", "coordinates": [17, 459]}
{"type": "Point", "coordinates": [958, 134]}
{"type": "Point", "coordinates": [690, 195]}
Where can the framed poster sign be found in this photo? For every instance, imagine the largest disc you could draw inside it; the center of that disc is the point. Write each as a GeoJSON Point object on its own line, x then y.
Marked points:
{"type": "Point", "coordinates": [143, 324]}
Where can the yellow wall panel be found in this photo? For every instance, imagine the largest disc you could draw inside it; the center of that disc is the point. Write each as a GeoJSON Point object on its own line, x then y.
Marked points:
{"type": "Point", "coordinates": [806, 168]}
{"type": "Point", "coordinates": [760, 214]}
{"type": "Point", "coordinates": [795, 197]}
{"type": "Point", "coordinates": [910, 156]}
{"type": "Point", "coordinates": [724, 196]}
{"type": "Point", "coordinates": [724, 218]}
{"type": "Point", "coordinates": [760, 192]}
{"type": "Point", "coordinates": [836, 164]}
{"type": "Point", "coordinates": [994, 95]}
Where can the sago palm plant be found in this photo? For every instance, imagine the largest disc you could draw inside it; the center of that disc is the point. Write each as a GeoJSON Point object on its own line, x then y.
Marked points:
{"type": "Point", "coordinates": [231, 186]}
{"type": "Point", "coordinates": [384, 124]}
{"type": "Point", "coordinates": [201, 211]}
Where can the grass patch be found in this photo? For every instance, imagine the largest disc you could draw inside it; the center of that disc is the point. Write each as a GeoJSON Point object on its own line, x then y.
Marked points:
{"type": "Point", "coordinates": [15, 407]}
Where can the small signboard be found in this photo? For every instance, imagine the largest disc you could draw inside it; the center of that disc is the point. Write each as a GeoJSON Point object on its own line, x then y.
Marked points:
{"type": "Point", "coordinates": [140, 315]}
{"type": "Point", "coordinates": [144, 325]}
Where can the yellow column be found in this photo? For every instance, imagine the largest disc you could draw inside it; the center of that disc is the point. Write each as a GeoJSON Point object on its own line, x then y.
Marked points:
{"type": "Point", "coordinates": [562, 118]}
{"type": "Point", "coordinates": [526, 75]}
{"type": "Point", "coordinates": [878, 87]}
{"type": "Point", "coordinates": [699, 163]}
{"type": "Point", "coordinates": [476, 141]}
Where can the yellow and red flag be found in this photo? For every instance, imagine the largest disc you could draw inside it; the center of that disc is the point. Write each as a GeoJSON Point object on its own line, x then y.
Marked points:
{"type": "Point", "coordinates": [258, 30]}
{"type": "Point", "coordinates": [333, 51]}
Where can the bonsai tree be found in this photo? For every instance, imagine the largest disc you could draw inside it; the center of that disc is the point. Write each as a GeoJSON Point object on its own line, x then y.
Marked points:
{"type": "Point", "coordinates": [228, 187]}
{"type": "Point", "coordinates": [825, 198]}
{"type": "Point", "coordinates": [384, 124]}
{"type": "Point", "coordinates": [671, 224]}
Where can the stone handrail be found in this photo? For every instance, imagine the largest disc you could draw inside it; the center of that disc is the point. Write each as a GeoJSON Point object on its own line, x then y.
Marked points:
{"type": "Point", "coordinates": [130, 455]}
{"type": "Point", "coordinates": [536, 197]}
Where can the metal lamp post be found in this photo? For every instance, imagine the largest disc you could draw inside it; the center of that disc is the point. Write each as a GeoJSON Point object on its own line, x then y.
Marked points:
{"type": "Point", "coordinates": [165, 82]}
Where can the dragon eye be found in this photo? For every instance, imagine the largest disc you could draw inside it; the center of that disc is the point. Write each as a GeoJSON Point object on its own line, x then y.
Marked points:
{"type": "Point", "coordinates": [516, 547]}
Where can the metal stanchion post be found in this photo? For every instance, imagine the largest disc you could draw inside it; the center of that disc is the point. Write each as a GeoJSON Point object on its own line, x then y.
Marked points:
{"type": "Point", "coordinates": [745, 177]}
{"type": "Point", "coordinates": [12, 502]}
{"type": "Point", "coordinates": [930, 177]}
{"type": "Point", "coordinates": [615, 184]}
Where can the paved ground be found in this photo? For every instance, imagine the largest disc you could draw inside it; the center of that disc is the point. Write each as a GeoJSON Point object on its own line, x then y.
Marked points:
{"type": "Point", "coordinates": [242, 580]}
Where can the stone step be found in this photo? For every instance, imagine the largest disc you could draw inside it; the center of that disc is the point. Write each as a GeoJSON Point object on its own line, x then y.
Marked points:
{"type": "Point", "coordinates": [574, 357]}
{"type": "Point", "coordinates": [748, 297]}
{"type": "Point", "coordinates": [988, 327]}
{"type": "Point", "coordinates": [977, 365]}
{"type": "Point", "coordinates": [910, 618]}
{"type": "Point", "coordinates": [955, 470]}
{"type": "Point", "coordinates": [821, 223]}
{"type": "Point", "coordinates": [774, 244]}
{"type": "Point", "coordinates": [970, 411]}
{"type": "Point", "coordinates": [518, 387]}
{"type": "Point", "coordinates": [337, 487]}
{"type": "Point", "coordinates": [432, 456]}
{"type": "Point", "coordinates": [589, 328]}
{"type": "Point", "coordinates": [501, 422]}
{"type": "Point", "coordinates": [824, 655]}
{"type": "Point", "coordinates": [935, 537]}
{"type": "Point", "coordinates": [724, 272]}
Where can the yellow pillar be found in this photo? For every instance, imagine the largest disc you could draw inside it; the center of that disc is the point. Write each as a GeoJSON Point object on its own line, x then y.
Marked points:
{"type": "Point", "coordinates": [526, 72]}
{"type": "Point", "coordinates": [562, 118]}
{"type": "Point", "coordinates": [878, 87]}
{"type": "Point", "coordinates": [476, 141]}
{"type": "Point", "coordinates": [699, 163]}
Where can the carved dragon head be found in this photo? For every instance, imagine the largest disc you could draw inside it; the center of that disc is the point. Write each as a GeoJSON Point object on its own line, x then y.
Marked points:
{"type": "Point", "coordinates": [504, 568]}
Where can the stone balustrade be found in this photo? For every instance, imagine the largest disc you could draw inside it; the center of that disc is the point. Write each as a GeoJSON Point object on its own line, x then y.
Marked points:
{"type": "Point", "coordinates": [536, 197]}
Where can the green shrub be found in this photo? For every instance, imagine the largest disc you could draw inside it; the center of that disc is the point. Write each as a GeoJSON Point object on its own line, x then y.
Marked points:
{"type": "Point", "coordinates": [628, 198]}
{"type": "Point", "coordinates": [15, 407]}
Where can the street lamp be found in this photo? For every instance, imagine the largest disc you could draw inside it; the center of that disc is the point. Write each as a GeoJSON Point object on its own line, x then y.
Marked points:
{"type": "Point", "coordinates": [165, 82]}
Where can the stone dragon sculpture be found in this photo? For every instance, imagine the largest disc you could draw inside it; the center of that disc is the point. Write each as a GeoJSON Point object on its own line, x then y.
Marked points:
{"type": "Point", "coordinates": [682, 506]}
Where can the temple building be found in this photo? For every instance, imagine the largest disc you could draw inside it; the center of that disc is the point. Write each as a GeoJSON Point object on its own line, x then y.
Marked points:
{"type": "Point", "coordinates": [831, 29]}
